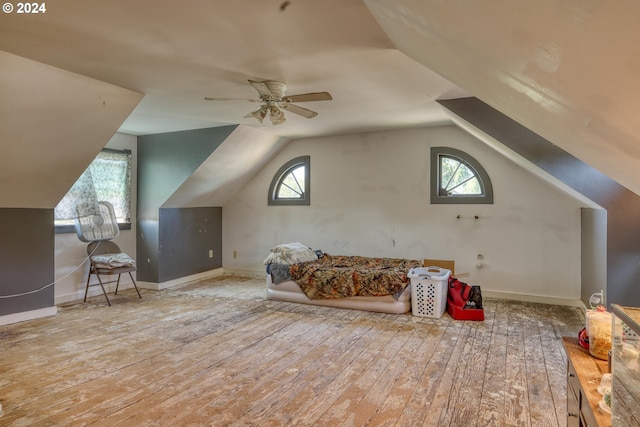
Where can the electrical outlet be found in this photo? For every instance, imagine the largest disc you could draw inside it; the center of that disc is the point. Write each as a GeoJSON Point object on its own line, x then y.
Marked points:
{"type": "Point", "coordinates": [235, 254]}
{"type": "Point", "coordinates": [210, 253]}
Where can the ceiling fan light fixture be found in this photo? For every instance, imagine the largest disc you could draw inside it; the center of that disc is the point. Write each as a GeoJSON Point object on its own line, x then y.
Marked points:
{"type": "Point", "coordinates": [276, 115]}
{"type": "Point", "coordinates": [260, 114]}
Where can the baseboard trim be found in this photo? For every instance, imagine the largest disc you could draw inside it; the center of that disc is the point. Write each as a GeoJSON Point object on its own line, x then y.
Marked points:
{"type": "Point", "coordinates": [179, 281]}
{"type": "Point", "coordinates": [94, 291]}
{"type": "Point", "coordinates": [28, 315]}
{"type": "Point", "coordinates": [532, 298]}
{"type": "Point", "coordinates": [110, 288]}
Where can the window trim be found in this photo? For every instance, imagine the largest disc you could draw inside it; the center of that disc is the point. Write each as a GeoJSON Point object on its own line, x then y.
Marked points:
{"type": "Point", "coordinates": [281, 174]}
{"type": "Point", "coordinates": [480, 173]}
{"type": "Point", "coordinates": [69, 229]}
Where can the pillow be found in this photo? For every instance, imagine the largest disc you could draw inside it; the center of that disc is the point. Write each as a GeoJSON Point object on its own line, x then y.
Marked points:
{"type": "Point", "coordinates": [290, 253]}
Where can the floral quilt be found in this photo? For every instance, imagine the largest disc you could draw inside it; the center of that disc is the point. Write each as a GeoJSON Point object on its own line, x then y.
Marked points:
{"type": "Point", "coordinates": [339, 276]}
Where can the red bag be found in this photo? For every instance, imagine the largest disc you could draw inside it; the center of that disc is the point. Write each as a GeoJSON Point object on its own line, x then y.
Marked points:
{"type": "Point", "coordinates": [464, 302]}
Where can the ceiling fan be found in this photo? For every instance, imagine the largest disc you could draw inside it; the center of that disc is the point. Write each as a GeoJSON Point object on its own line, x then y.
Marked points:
{"type": "Point", "coordinates": [274, 102]}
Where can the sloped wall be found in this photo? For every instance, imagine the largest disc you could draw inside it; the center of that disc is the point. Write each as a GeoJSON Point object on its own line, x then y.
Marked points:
{"type": "Point", "coordinates": [54, 123]}
{"type": "Point", "coordinates": [184, 179]}
{"type": "Point", "coordinates": [564, 69]}
{"type": "Point", "coordinates": [622, 205]}
{"type": "Point", "coordinates": [243, 153]}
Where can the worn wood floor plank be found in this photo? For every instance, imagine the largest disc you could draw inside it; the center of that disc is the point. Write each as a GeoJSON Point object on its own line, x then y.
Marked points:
{"type": "Point", "coordinates": [516, 396]}
{"type": "Point", "coordinates": [411, 362]}
{"type": "Point", "coordinates": [223, 408]}
{"type": "Point", "coordinates": [215, 352]}
{"type": "Point", "coordinates": [449, 391]}
{"type": "Point", "coordinates": [553, 328]}
{"type": "Point", "coordinates": [162, 365]}
{"type": "Point", "coordinates": [173, 364]}
{"type": "Point", "coordinates": [305, 377]}
{"type": "Point", "coordinates": [541, 405]}
{"type": "Point", "coordinates": [212, 374]}
{"type": "Point", "coordinates": [492, 405]}
{"type": "Point", "coordinates": [441, 338]}
{"type": "Point", "coordinates": [318, 387]}
{"type": "Point", "coordinates": [384, 371]}
{"type": "Point", "coordinates": [359, 376]}
{"type": "Point", "coordinates": [466, 396]}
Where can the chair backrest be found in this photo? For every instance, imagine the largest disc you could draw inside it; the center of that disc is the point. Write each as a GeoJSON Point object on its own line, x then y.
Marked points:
{"type": "Point", "coordinates": [103, 247]}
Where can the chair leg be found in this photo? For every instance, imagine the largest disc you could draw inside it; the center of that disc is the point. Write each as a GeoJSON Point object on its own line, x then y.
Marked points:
{"type": "Point", "coordinates": [103, 290]}
{"type": "Point", "coordinates": [86, 290]}
{"type": "Point", "coordinates": [134, 284]}
{"type": "Point", "coordinates": [117, 284]}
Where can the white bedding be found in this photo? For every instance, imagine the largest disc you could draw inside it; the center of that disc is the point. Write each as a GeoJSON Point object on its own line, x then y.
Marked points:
{"type": "Point", "coordinates": [113, 260]}
{"type": "Point", "coordinates": [291, 292]}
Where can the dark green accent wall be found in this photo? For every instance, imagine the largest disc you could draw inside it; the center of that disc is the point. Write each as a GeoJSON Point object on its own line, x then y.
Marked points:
{"type": "Point", "coordinates": [186, 237]}
{"type": "Point", "coordinates": [622, 205]}
{"type": "Point", "coordinates": [27, 251]}
{"type": "Point", "coordinates": [166, 161]}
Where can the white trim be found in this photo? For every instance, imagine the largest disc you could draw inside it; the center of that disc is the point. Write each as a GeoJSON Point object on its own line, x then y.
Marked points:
{"type": "Point", "coordinates": [532, 298]}
{"type": "Point", "coordinates": [179, 281]}
{"type": "Point", "coordinates": [28, 315]}
{"type": "Point", "coordinates": [126, 284]}
{"type": "Point", "coordinates": [73, 296]}
{"type": "Point", "coordinates": [94, 291]}
{"type": "Point", "coordinates": [583, 307]}
{"type": "Point", "coordinates": [97, 292]}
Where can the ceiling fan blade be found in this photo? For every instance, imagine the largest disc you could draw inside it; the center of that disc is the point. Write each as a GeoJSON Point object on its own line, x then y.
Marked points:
{"type": "Point", "coordinates": [262, 89]}
{"type": "Point", "coordinates": [306, 97]}
{"type": "Point", "coordinates": [232, 99]}
{"type": "Point", "coordinates": [299, 110]}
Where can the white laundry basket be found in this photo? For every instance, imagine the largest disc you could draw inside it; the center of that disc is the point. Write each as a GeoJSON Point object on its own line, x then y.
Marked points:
{"type": "Point", "coordinates": [429, 291]}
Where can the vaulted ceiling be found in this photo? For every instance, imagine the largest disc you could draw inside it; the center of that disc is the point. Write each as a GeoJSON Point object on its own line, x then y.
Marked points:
{"type": "Point", "coordinates": [566, 69]}
{"type": "Point", "coordinates": [178, 52]}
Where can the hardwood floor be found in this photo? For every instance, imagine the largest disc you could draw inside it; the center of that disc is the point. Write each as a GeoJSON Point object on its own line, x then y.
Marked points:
{"type": "Point", "coordinates": [216, 353]}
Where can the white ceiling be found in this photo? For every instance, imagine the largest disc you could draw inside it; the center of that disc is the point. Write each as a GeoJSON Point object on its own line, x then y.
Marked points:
{"type": "Point", "coordinates": [178, 52]}
{"type": "Point", "coordinates": [566, 69]}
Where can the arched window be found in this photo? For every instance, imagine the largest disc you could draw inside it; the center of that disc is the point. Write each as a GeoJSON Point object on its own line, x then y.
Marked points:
{"type": "Point", "coordinates": [290, 185]}
{"type": "Point", "coordinates": [458, 178]}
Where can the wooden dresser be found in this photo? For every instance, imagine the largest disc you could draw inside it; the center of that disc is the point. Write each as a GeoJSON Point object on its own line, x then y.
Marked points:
{"type": "Point", "coordinates": [584, 373]}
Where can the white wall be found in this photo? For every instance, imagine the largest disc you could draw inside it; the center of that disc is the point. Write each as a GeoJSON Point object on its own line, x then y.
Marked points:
{"type": "Point", "coordinates": [71, 265]}
{"type": "Point", "coordinates": [370, 196]}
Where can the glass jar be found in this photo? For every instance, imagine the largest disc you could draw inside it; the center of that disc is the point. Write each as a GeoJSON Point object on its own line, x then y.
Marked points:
{"type": "Point", "coordinates": [625, 366]}
{"type": "Point", "coordinates": [599, 332]}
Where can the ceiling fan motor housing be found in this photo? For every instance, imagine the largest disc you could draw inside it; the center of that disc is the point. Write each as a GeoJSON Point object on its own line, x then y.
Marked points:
{"type": "Point", "coordinates": [277, 90]}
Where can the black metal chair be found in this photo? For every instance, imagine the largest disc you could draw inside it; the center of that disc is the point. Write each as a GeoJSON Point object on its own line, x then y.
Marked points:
{"type": "Point", "coordinates": [94, 249]}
